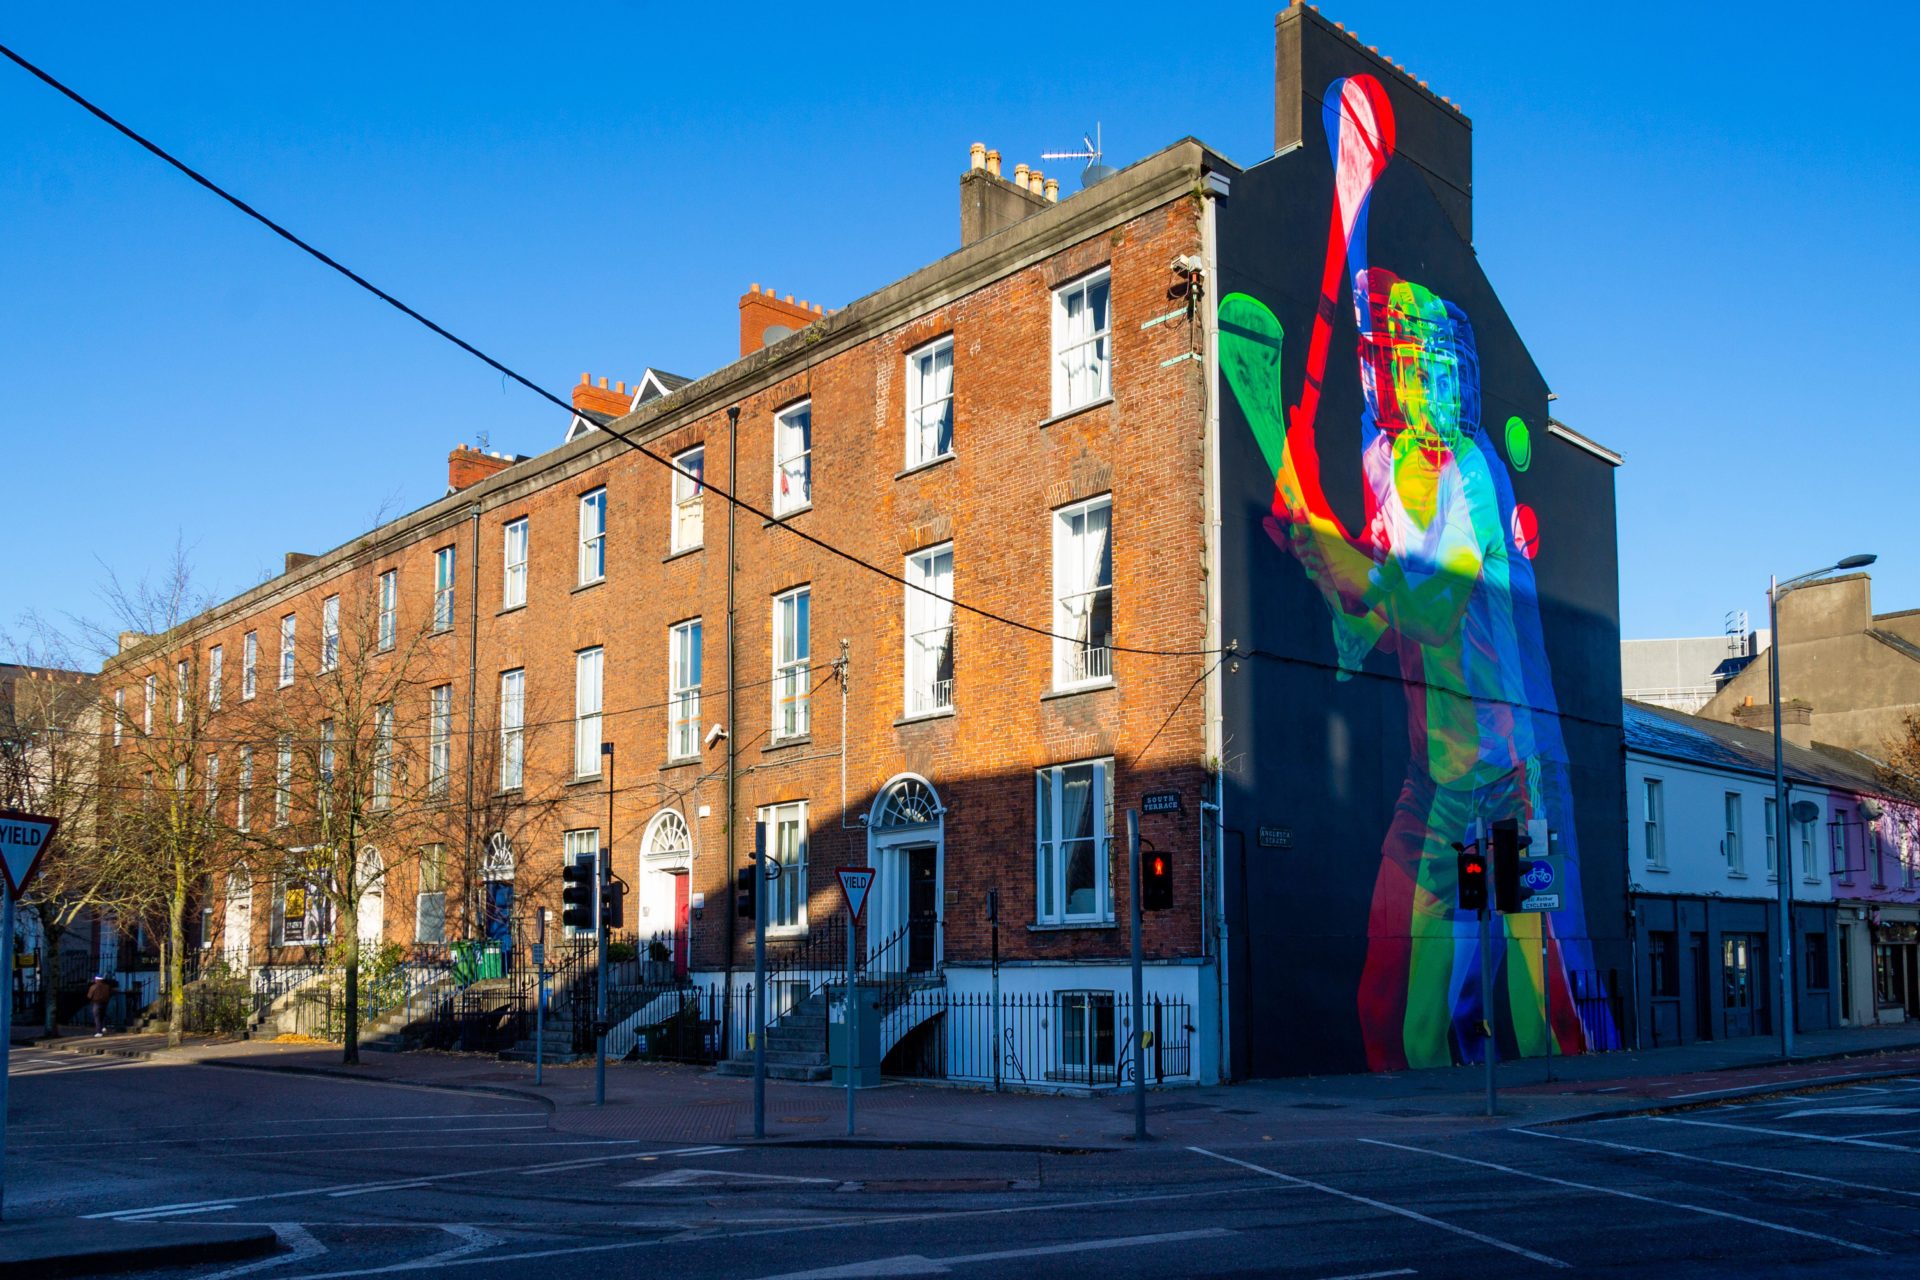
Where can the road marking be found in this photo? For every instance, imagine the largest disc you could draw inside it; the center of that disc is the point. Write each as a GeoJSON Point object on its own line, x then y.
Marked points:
{"type": "Point", "coordinates": [914, 1264]}
{"type": "Point", "coordinates": [1729, 1088]}
{"type": "Point", "coordinates": [301, 1244]}
{"type": "Point", "coordinates": [1785, 1133]}
{"type": "Point", "coordinates": [1729, 1164]}
{"type": "Point", "coordinates": [283, 1137]}
{"type": "Point", "coordinates": [473, 1240]}
{"type": "Point", "coordinates": [177, 1213]}
{"type": "Point", "coordinates": [368, 1191]}
{"type": "Point", "coordinates": [1632, 1195]}
{"type": "Point", "coordinates": [1483, 1238]}
{"type": "Point", "coordinates": [1851, 1111]}
{"type": "Point", "coordinates": [711, 1177]}
{"type": "Point", "coordinates": [1375, 1275]}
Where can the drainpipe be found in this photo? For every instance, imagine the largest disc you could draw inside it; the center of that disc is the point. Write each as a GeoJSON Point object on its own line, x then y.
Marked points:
{"type": "Point", "coordinates": [733, 486]}
{"type": "Point", "coordinates": [1214, 693]}
{"type": "Point", "coordinates": [473, 676]}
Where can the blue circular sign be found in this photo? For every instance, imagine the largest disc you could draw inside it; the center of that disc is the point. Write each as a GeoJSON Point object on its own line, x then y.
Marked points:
{"type": "Point", "coordinates": [1539, 877]}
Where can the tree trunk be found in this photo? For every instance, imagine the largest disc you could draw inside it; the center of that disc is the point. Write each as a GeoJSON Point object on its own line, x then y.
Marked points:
{"type": "Point", "coordinates": [177, 956]}
{"type": "Point", "coordinates": [50, 934]}
{"type": "Point", "coordinates": [350, 923]}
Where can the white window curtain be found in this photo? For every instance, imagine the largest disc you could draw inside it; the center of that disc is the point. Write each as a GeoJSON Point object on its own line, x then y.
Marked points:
{"type": "Point", "coordinates": [688, 491]}
{"type": "Point", "coordinates": [1083, 593]}
{"type": "Point", "coordinates": [216, 674]}
{"type": "Point", "coordinates": [929, 627]}
{"type": "Point", "coordinates": [786, 896]}
{"type": "Point", "coordinates": [930, 403]}
{"type": "Point", "coordinates": [329, 633]}
{"type": "Point", "coordinates": [513, 693]}
{"type": "Point", "coordinates": [792, 648]}
{"type": "Point", "coordinates": [288, 626]}
{"type": "Point", "coordinates": [1080, 331]}
{"type": "Point", "coordinates": [793, 458]}
{"type": "Point", "coordinates": [249, 664]}
{"type": "Point", "coordinates": [683, 694]}
{"type": "Point", "coordinates": [439, 739]}
{"type": "Point", "coordinates": [513, 587]}
{"type": "Point", "coordinates": [593, 536]}
{"type": "Point", "coordinates": [587, 676]}
{"type": "Point", "coordinates": [389, 608]}
{"type": "Point", "coordinates": [1073, 821]}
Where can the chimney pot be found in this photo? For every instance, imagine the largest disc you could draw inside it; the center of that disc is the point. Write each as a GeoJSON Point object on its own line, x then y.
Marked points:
{"type": "Point", "coordinates": [586, 380]}
{"type": "Point", "coordinates": [621, 387]}
{"type": "Point", "coordinates": [603, 383]}
{"type": "Point", "coordinates": [1020, 175]}
{"type": "Point", "coordinates": [1053, 191]}
{"type": "Point", "coordinates": [977, 156]}
{"type": "Point", "coordinates": [993, 163]}
{"type": "Point", "coordinates": [1036, 182]}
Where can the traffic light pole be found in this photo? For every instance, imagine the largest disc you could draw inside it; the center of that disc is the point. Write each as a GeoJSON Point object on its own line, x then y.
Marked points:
{"type": "Point", "coordinates": [540, 996]}
{"type": "Point", "coordinates": [600, 943]}
{"type": "Point", "coordinates": [1492, 1043]}
{"type": "Point", "coordinates": [1139, 994]}
{"type": "Point", "coordinates": [759, 980]}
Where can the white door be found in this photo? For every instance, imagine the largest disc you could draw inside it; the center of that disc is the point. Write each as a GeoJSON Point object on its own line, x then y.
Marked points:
{"type": "Point", "coordinates": [237, 939]}
{"type": "Point", "coordinates": [373, 899]}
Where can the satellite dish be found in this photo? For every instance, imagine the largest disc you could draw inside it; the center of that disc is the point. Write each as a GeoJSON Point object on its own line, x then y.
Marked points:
{"type": "Point", "coordinates": [1096, 172]}
{"type": "Point", "coordinates": [1871, 809]}
{"type": "Point", "coordinates": [1804, 810]}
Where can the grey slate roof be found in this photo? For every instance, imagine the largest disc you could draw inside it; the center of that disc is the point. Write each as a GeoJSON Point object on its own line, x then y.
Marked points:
{"type": "Point", "coordinates": [1675, 735]}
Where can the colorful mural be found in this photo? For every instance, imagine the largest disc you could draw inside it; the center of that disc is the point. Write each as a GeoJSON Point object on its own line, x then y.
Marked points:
{"type": "Point", "coordinates": [1437, 576]}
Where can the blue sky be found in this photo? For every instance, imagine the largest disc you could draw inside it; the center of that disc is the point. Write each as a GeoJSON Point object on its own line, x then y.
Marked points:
{"type": "Point", "coordinates": [1700, 219]}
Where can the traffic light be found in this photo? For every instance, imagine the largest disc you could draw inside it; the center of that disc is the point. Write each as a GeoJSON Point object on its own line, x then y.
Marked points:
{"type": "Point", "coordinates": [613, 901]}
{"type": "Point", "coordinates": [1156, 881]}
{"type": "Point", "coordinates": [1473, 879]}
{"type": "Point", "coordinates": [576, 895]}
{"type": "Point", "coordinates": [1508, 841]}
{"type": "Point", "coordinates": [746, 891]}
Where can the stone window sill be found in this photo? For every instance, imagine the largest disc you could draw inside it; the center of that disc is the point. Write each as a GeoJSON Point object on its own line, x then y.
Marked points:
{"type": "Point", "coordinates": [588, 586]}
{"type": "Point", "coordinates": [1076, 411]}
{"type": "Point", "coordinates": [921, 717]}
{"type": "Point", "coordinates": [1098, 686]}
{"type": "Point", "coordinates": [1076, 926]}
{"type": "Point", "coordinates": [512, 608]}
{"type": "Point", "coordinates": [682, 553]}
{"type": "Point", "coordinates": [781, 744]}
{"type": "Point", "coordinates": [785, 516]}
{"type": "Point", "coordinates": [928, 465]}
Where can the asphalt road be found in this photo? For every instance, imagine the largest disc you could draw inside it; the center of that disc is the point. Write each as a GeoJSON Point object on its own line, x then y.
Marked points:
{"type": "Point", "coordinates": [360, 1178]}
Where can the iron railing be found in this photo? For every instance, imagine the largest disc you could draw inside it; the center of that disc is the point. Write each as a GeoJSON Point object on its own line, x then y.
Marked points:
{"type": "Point", "coordinates": [1060, 1038]}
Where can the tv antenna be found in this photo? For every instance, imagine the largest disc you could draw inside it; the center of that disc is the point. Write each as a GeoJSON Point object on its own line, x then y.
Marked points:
{"type": "Point", "coordinates": [1091, 153]}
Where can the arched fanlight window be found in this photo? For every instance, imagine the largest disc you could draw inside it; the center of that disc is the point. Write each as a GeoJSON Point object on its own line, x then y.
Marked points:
{"type": "Point", "coordinates": [498, 863]}
{"type": "Point", "coordinates": [667, 836]}
{"type": "Point", "coordinates": [240, 884]}
{"type": "Point", "coordinates": [372, 869]}
{"type": "Point", "coordinates": [907, 801]}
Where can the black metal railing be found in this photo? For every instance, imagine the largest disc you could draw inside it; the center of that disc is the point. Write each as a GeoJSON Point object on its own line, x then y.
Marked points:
{"type": "Point", "coordinates": [1596, 996]}
{"type": "Point", "coordinates": [1073, 1038]}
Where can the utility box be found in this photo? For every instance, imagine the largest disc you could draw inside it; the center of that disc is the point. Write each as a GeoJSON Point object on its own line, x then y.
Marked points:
{"type": "Point", "coordinates": [867, 1073]}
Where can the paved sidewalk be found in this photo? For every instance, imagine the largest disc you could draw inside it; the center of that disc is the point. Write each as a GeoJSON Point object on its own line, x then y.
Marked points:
{"type": "Point", "coordinates": [76, 1247]}
{"type": "Point", "coordinates": [679, 1104]}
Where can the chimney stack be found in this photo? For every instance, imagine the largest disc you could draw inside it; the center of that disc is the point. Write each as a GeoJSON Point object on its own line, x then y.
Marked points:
{"type": "Point", "coordinates": [990, 203]}
{"type": "Point", "coordinates": [765, 318]}
{"type": "Point", "coordinates": [469, 466]}
{"type": "Point", "coordinates": [613, 402]}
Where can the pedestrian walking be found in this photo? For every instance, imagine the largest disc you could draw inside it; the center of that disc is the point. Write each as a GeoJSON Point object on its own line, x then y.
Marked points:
{"type": "Point", "coordinates": [99, 991]}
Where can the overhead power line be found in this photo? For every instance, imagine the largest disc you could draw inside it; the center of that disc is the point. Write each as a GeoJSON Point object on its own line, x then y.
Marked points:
{"type": "Point", "coordinates": [505, 370]}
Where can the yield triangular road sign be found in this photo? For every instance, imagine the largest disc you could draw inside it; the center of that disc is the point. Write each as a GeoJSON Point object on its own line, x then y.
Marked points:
{"type": "Point", "coordinates": [854, 883]}
{"type": "Point", "coordinates": [23, 838]}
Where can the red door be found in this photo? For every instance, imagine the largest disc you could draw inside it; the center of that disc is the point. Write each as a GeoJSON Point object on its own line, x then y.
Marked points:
{"type": "Point", "coordinates": [680, 921]}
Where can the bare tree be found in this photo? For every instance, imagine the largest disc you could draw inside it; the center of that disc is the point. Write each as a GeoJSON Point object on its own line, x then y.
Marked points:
{"type": "Point", "coordinates": [1900, 771]}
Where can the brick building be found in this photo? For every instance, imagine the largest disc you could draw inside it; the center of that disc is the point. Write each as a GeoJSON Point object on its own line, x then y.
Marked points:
{"type": "Point", "coordinates": [1030, 426]}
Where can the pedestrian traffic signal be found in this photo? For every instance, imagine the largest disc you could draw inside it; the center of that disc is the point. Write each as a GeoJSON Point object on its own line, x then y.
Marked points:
{"type": "Point", "coordinates": [613, 902]}
{"type": "Point", "coordinates": [576, 895]}
{"type": "Point", "coordinates": [1473, 879]}
{"type": "Point", "coordinates": [746, 891]}
{"type": "Point", "coordinates": [1508, 841]}
{"type": "Point", "coordinates": [1156, 881]}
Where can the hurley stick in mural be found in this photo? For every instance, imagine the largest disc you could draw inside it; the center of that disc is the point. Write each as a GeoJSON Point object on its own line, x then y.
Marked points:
{"type": "Point", "coordinates": [1430, 577]}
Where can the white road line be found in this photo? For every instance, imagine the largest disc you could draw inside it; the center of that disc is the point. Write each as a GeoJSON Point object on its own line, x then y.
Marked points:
{"type": "Point", "coordinates": [1733, 1088]}
{"type": "Point", "coordinates": [1727, 1164]}
{"type": "Point", "coordinates": [908, 1264]}
{"type": "Point", "coordinates": [473, 1241]}
{"type": "Point", "coordinates": [1375, 1275]}
{"type": "Point", "coordinates": [1633, 1195]}
{"type": "Point", "coordinates": [300, 1243]}
{"type": "Point", "coordinates": [177, 1213]}
{"type": "Point", "coordinates": [839, 1224]}
{"type": "Point", "coordinates": [368, 1191]}
{"type": "Point", "coordinates": [1785, 1133]}
{"type": "Point", "coordinates": [721, 1177]}
{"type": "Point", "coordinates": [1389, 1208]}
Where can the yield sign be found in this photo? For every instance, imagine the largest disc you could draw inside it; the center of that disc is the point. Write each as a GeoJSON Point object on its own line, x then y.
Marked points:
{"type": "Point", "coordinates": [854, 883]}
{"type": "Point", "coordinates": [23, 838]}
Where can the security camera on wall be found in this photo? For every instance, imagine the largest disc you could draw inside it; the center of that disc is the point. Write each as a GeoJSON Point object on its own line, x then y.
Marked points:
{"type": "Point", "coordinates": [715, 734]}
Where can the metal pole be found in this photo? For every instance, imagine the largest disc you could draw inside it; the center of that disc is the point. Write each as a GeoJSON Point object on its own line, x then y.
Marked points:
{"type": "Point", "coordinates": [1780, 826]}
{"type": "Point", "coordinates": [1546, 990]}
{"type": "Point", "coordinates": [759, 977]}
{"type": "Point", "coordinates": [1492, 1042]}
{"type": "Point", "coordinates": [993, 918]}
{"type": "Point", "coordinates": [600, 943]}
{"type": "Point", "coordinates": [6, 1023]}
{"type": "Point", "coordinates": [1139, 999]}
{"type": "Point", "coordinates": [853, 1027]}
{"type": "Point", "coordinates": [540, 996]}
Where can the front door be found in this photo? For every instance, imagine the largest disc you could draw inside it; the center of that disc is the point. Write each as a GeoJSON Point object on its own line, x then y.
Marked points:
{"type": "Point", "coordinates": [923, 908]}
{"type": "Point", "coordinates": [682, 916]}
{"type": "Point", "coordinates": [1736, 982]}
{"type": "Point", "coordinates": [499, 917]}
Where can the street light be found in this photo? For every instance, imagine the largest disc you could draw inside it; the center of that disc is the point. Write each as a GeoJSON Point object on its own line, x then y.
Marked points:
{"type": "Point", "coordinates": [1782, 819]}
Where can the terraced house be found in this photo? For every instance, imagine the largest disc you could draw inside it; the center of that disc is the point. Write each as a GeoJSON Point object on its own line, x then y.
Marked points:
{"type": "Point", "coordinates": [945, 581]}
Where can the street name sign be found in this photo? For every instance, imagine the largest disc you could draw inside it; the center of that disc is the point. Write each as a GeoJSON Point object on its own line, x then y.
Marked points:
{"type": "Point", "coordinates": [1160, 802]}
{"type": "Point", "coordinates": [854, 884]}
{"type": "Point", "coordinates": [23, 838]}
{"type": "Point", "coordinates": [1276, 837]}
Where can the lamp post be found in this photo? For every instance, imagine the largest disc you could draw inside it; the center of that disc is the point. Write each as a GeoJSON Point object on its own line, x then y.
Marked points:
{"type": "Point", "coordinates": [1782, 819]}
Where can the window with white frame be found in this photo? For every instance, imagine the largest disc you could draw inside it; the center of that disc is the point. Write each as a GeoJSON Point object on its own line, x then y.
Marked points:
{"type": "Point", "coordinates": [283, 782]}
{"type": "Point", "coordinates": [793, 458]}
{"type": "Point", "coordinates": [593, 536]}
{"type": "Point", "coordinates": [1073, 821]}
{"type": "Point", "coordinates": [1082, 370]}
{"type": "Point", "coordinates": [443, 570]}
{"type": "Point", "coordinates": [182, 686]}
{"type": "Point", "coordinates": [216, 672]}
{"type": "Point", "coordinates": [689, 499]}
{"type": "Point", "coordinates": [786, 894]}
{"type": "Point", "coordinates": [329, 633]}
{"type": "Point", "coordinates": [1808, 870]}
{"type": "Point", "coordinates": [588, 669]}
{"type": "Point", "coordinates": [213, 782]}
{"type": "Point", "coordinates": [582, 849]}
{"type": "Point", "coordinates": [513, 712]}
{"type": "Point", "coordinates": [1653, 804]}
{"type": "Point", "coordinates": [792, 650]}
{"type": "Point", "coordinates": [1838, 845]}
{"type": "Point", "coordinates": [430, 904]}
{"type": "Point", "coordinates": [249, 664]}
{"type": "Point", "coordinates": [1087, 1040]}
{"type": "Point", "coordinates": [323, 785]}
{"type": "Point", "coordinates": [288, 625]}
{"type": "Point", "coordinates": [146, 714]}
{"type": "Point", "coordinates": [1773, 836]}
{"type": "Point", "coordinates": [929, 631]}
{"type": "Point", "coordinates": [1730, 843]}
{"type": "Point", "coordinates": [513, 559]}
{"type": "Point", "coordinates": [683, 690]}
{"type": "Point", "coordinates": [119, 714]}
{"type": "Point", "coordinates": [439, 739]}
{"type": "Point", "coordinates": [383, 753]}
{"type": "Point", "coordinates": [930, 402]}
{"type": "Point", "coordinates": [1083, 593]}
{"type": "Point", "coordinates": [389, 623]}
{"type": "Point", "coordinates": [243, 798]}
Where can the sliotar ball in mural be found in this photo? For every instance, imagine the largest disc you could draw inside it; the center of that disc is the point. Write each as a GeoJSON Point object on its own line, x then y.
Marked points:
{"type": "Point", "coordinates": [1392, 582]}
